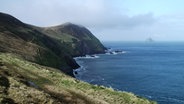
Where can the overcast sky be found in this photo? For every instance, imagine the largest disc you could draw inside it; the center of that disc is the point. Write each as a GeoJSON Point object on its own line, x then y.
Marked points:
{"type": "Point", "coordinates": [109, 20]}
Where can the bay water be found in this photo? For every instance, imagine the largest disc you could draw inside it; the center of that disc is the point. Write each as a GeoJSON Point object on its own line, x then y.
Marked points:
{"type": "Point", "coordinates": [154, 70]}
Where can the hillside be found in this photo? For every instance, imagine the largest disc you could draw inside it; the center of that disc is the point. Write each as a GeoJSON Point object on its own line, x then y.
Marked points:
{"type": "Point", "coordinates": [54, 46]}
{"type": "Point", "coordinates": [78, 39]}
{"type": "Point", "coordinates": [25, 82]}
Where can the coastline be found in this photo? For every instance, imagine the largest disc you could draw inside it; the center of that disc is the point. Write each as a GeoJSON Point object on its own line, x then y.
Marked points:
{"type": "Point", "coordinates": [139, 68]}
{"type": "Point", "coordinates": [108, 51]}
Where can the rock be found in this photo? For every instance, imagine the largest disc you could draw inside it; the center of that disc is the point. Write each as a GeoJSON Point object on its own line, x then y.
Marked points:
{"type": "Point", "coordinates": [7, 101]}
{"type": "Point", "coordinates": [75, 72]}
{"type": "Point", "coordinates": [4, 81]}
{"type": "Point", "coordinates": [1, 64]}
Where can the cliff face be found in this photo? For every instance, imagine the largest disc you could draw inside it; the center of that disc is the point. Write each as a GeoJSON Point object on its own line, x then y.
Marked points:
{"type": "Point", "coordinates": [78, 39]}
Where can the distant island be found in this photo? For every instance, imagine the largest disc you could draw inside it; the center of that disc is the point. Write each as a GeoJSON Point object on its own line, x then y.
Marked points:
{"type": "Point", "coordinates": [149, 39]}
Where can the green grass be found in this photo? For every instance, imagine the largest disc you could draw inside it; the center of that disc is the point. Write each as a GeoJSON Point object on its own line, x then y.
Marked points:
{"type": "Point", "coordinates": [51, 86]}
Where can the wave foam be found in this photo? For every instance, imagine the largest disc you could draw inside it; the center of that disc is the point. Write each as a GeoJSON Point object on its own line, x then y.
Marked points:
{"type": "Point", "coordinates": [87, 57]}
{"type": "Point", "coordinates": [115, 52]}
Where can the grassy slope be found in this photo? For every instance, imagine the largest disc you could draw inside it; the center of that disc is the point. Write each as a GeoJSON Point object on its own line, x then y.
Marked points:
{"type": "Point", "coordinates": [25, 82]}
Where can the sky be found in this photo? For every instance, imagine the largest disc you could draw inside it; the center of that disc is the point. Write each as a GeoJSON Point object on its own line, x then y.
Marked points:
{"type": "Point", "coordinates": [108, 20]}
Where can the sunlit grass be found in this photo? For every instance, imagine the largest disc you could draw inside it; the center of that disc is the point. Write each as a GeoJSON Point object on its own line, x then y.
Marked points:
{"type": "Point", "coordinates": [52, 86]}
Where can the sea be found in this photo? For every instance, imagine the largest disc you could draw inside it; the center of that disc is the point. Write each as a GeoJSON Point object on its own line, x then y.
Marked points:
{"type": "Point", "coordinates": [154, 70]}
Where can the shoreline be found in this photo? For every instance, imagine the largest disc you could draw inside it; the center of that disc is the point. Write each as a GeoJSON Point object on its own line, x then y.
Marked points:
{"type": "Point", "coordinates": [108, 51]}
{"type": "Point", "coordinates": [82, 68]}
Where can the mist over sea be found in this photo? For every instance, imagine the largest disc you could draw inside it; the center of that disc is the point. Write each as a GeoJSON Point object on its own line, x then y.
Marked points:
{"type": "Point", "coordinates": [154, 70]}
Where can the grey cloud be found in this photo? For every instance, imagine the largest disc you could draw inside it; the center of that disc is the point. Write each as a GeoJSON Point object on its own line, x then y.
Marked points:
{"type": "Point", "coordinates": [99, 14]}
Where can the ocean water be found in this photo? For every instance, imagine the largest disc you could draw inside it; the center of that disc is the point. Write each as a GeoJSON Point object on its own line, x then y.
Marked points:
{"type": "Point", "coordinates": [152, 70]}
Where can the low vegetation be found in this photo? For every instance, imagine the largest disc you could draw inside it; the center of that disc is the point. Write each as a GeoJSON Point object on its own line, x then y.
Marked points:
{"type": "Point", "coordinates": [26, 82]}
